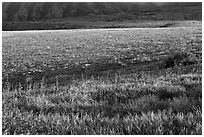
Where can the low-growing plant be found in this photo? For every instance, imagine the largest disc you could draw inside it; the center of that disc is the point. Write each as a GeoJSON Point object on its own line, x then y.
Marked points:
{"type": "Point", "coordinates": [178, 59]}
{"type": "Point", "coordinates": [181, 104]}
{"type": "Point", "coordinates": [168, 91]}
{"type": "Point", "coordinates": [114, 95]}
{"type": "Point", "coordinates": [193, 90]}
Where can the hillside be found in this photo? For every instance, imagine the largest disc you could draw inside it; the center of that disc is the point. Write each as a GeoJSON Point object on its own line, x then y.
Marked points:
{"type": "Point", "coordinates": [28, 16]}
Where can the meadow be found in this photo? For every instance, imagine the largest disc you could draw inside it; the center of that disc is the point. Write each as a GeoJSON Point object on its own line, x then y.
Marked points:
{"type": "Point", "coordinates": [103, 81]}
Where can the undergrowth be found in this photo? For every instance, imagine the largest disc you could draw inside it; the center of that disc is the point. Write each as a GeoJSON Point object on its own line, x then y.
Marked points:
{"type": "Point", "coordinates": [101, 107]}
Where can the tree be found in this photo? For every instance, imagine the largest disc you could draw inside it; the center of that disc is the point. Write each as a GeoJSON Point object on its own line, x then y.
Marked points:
{"type": "Point", "coordinates": [45, 10]}
{"type": "Point", "coordinates": [81, 9]}
{"type": "Point", "coordinates": [67, 9]}
{"type": "Point", "coordinates": [12, 10]}
{"type": "Point", "coordinates": [23, 13]}
{"type": "Point", "coordinates": [100, 7]}
{"type": "Point", "coordinates": [4, 8]}
{"type": "Point", "coordinates": [56, 10]}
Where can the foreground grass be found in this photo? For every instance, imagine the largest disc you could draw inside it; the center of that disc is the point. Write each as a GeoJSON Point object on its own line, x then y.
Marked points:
{"type": "Point", "coordinates": [150, 123]}
{"type": "Point", "coordinates": [147, 105]}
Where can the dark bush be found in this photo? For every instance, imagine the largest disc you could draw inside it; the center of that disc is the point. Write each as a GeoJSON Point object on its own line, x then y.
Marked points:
{"type": "Point", "coordinates": [177, 59]}
{"type": "Point", "coordinates": [193, 90]}
{"type": "Point", "coordinates": [169, 91]}
{"type": "Point", "coordinates": [181, 105]}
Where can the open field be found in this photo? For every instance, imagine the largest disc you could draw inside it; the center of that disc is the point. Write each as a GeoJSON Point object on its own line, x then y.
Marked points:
{"type": "Point", "coordinates": [103, 81]}
{"type": "Point", "coordinates": [89, 24]}
{"type": "Point", "coordinates": [50, 53]}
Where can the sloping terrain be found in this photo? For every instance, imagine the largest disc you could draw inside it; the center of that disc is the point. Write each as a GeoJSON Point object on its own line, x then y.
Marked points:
{"type": "Point", "coordinates": [138, 81]}
{"type": "Point", "coordinates": [51, 53]}
{"type": "Point", "coordinates": [80, 15]}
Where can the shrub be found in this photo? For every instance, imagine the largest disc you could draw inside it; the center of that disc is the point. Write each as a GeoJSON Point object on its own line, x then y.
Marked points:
{"type": "Point", "coordinates": [181, 105]}
{"type": "Point", "coordinates": [58, 99]}
{"type": "Point", "coordinates": [193, 90]}
{"type": "Point", "coordinates": [114, 95]}
{"type": "Point", "coordinates": [178, 59]}
{"type": "Point", "coordinates": [143, 104]}
{"type": "Point", "coordinates": [168, 91]}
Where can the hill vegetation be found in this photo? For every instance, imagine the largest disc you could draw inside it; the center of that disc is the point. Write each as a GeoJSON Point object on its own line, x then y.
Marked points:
{"type": "Point", "coordinates": [48, 15]}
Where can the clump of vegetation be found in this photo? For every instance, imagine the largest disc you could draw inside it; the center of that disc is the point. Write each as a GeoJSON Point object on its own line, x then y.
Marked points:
{"type": "Point", "coordinates": [169, 91]}
{"type": "Point", "coordinates": [178, 59]}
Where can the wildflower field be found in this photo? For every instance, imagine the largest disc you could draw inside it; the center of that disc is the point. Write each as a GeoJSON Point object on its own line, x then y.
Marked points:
{"type": "Point", "coordinates": [122, 81]}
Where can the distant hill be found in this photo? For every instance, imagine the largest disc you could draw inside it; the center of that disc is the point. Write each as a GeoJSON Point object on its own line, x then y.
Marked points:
{"type": "Point", "coordinates": [14, 13]}
{"type": "Point", "coordinates": [27, 11]}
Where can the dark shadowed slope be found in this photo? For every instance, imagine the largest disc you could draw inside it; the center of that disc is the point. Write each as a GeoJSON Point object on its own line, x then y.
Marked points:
{"type": "Point", "coordinates": [28, 16]}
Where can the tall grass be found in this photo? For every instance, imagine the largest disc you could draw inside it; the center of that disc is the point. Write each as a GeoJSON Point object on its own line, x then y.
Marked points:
{"type": "Point", "coordinates": [151, 106]}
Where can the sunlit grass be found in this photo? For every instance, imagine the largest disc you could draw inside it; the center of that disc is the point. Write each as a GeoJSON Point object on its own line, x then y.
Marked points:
{"type": "Point", "coordinates": [128, 82]}
{"type": "Point", "coordinates": [102, 107]}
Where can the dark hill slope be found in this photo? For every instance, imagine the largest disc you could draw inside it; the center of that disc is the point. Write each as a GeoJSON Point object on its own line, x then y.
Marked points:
{"type": "Point", "coordinates": [62, 15]}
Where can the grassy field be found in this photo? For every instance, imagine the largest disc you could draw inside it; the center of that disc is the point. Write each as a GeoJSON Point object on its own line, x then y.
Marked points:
{"type": "Point", "coordinates": [103, 81]}
{"type": "Point", "coordinates": [84, 23]}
